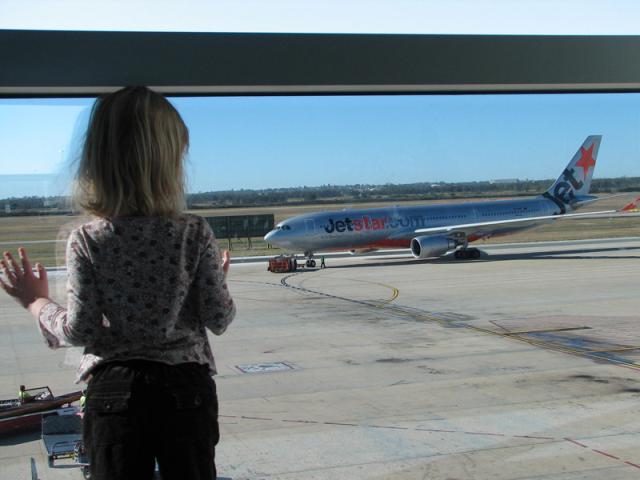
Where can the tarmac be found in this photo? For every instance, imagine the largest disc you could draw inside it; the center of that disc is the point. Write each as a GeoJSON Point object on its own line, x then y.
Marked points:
{"type": "Point", "coordinates": [523, 364]}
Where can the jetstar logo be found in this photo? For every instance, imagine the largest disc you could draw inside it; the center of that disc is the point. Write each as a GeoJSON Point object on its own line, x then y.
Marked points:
{"type": "Point", "coordinates": [357, 224]}
{"type": "Point", "coordinates": [372, 223]}
{"type": "Point", "coordinates": [563, 193]}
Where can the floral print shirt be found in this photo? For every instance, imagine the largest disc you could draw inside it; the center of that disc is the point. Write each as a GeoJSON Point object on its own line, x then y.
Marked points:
{"type": "Point", "coordinates": [141, 288]}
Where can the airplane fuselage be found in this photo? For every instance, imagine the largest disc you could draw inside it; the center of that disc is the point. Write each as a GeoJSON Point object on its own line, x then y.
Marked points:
{"type": "Point", "coordinates": [354, 229]}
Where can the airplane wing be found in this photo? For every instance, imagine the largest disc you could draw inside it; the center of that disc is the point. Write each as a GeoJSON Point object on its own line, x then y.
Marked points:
{"type": "Point", "coordinates": [473, 227]}
{"type": "Point", "coordinates": [631, 207]}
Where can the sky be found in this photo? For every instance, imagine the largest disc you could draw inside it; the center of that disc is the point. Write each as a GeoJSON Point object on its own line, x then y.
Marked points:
{"type": "Point", "coordinates": [288, 141]}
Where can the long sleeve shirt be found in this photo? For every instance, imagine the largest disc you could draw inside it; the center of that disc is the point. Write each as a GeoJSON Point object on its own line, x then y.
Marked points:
{"type": "Point", "coordinates": [141, 288]}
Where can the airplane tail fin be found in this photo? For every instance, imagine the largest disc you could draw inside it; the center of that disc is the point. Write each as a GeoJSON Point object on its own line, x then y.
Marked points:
{"type": "Point", "coordinates": [575, 181]}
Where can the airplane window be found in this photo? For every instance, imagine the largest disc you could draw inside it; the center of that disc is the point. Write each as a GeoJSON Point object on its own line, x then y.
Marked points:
{"type": "Point", "coordinates": [425, 353]}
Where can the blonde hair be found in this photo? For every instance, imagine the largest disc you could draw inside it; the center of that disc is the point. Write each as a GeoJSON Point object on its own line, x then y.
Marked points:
{"type": "Point", "coordinates": [132, 159]}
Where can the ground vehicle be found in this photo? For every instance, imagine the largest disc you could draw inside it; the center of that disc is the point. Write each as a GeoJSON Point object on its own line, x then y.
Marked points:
{"type": "Point", "coordinates": [16, 415]}
{"type": "Point", "coordinates": [62, 438]}
{"type": "Point", "coordinates": [282, 264]}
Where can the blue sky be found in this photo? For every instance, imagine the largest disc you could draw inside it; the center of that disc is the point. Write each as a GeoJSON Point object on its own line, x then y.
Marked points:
{"type": "Point", "coordinates": [283, 141]}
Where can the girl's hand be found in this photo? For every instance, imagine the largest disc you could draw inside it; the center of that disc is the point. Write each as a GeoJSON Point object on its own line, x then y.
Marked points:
{"type": "Point", "coordinates": [226, 261]}
{"type": "Point", "coordinates": [21, 283]}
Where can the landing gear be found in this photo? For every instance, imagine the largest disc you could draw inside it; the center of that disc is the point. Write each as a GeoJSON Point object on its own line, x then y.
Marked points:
{"type": "Point", "coordinates": [310, 261]}
{"type": "Point", "coordinates": [467, 254]}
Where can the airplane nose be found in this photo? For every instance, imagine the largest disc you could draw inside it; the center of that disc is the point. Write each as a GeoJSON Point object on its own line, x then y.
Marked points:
{"type": "Point", "coordinates": [269, 236]}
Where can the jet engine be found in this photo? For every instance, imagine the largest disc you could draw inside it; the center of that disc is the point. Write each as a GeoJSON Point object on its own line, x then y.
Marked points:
{"type": "Point", "coordinates": [430, 246]}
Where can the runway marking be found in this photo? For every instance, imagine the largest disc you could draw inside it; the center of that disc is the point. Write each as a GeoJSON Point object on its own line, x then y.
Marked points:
{"type": "Point", "coordinates": [440, 430]}
{"type": "Point", "coordinates": [605, 454]}
{"type": "Point", "coordinates": [433, 317]}
{"type": "Point", "coordinates": [256, 418]}
{"type": "Point", "coordinates": [544, 330]}
{"type": "Point", "coordinates": [576, 442]}
{"type": "Point", "coordinates": [391, 427]}
{"type": "Point", "coordinates": [620, 362]}
{"type": "Point", "coordinates": [486, 433]}
{"type": "Point", "coordinates": [366, 303]}
{"type": "Point", "coordinates": [395, 294]}
{"type": "Point", "coordinates": [614, 350]}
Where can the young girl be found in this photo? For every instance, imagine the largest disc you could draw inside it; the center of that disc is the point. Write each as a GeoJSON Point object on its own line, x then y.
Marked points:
{"type": "Point", "coordinates": [144, 281]}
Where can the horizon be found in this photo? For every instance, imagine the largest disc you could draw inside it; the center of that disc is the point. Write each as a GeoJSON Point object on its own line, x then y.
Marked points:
{"type": "Point", "coordinates": [497, 181]}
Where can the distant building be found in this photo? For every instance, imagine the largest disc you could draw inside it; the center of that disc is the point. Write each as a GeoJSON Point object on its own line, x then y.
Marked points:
{"type": "Point", "coordinates": [505, 180]}
{"type": "Point", "coordinates": [7, 208]}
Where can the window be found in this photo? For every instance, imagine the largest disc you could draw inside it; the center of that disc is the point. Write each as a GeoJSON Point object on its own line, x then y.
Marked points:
{"type": "Point", "coordinates": [409, 362]}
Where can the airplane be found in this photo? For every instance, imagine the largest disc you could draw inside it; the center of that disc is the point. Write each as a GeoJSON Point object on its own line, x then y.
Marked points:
{"type": "Point", "coordinates": [435, 230]}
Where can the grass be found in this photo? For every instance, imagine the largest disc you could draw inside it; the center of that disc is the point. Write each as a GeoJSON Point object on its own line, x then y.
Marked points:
{"type": "Point", "coordinates": [15, 230]}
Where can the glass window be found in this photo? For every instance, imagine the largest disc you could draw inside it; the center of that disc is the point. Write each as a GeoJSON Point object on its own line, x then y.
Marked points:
{"type": "Point", "coordinates": [417, 365]}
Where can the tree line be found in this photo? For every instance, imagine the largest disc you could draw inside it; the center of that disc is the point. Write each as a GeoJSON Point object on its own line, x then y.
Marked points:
{"type": "Point", "coordinates": [338, 193]}
{"type": "Point", "coordinates": [392, 192]}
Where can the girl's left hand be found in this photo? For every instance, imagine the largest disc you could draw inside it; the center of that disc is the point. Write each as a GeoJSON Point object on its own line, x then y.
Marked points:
{"type": "Point", "coordinates": [21, 283]}
{"type": "Point", "coordinates": [226, 261]}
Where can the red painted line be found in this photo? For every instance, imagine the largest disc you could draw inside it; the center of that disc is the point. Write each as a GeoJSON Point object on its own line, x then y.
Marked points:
{"type": "Point", "coordinates": [435, 430]}
{"type": "Point", "coordinates": [576, 442]}
{"type": "Point", "coordinates": [633, 464]}
{"type": "Point", "coordinates": [386, 426]}
{"type": "Point", "coordinates": [606, 454]}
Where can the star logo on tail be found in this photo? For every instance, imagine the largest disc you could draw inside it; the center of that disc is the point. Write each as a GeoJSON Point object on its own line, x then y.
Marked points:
{"type": "Point", "coordinates": [586, 160]}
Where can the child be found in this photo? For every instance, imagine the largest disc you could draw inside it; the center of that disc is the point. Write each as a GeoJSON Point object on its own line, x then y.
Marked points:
{"type": "Point", "coordinates": [144, 280]}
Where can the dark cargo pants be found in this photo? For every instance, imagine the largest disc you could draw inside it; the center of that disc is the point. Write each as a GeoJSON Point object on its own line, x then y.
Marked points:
{"type": "Point", "coordinates": [138, 412]}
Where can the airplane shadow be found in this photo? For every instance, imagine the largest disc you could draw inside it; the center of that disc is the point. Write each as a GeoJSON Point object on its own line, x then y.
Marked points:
{"type": "Point", "coordinates": [574, 254]}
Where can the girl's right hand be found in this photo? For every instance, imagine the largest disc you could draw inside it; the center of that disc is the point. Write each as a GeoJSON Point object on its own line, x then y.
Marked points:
{"type": "Point", "coordinates": [20, 282]}
{"type": "Point", "coordinates": [226, 261]}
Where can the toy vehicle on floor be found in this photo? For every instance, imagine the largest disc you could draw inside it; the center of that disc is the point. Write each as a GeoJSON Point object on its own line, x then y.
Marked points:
{"type": "Point", "coordinates": [17, 414]}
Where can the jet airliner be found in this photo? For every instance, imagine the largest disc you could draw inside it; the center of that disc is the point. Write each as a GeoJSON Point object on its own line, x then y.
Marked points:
{"type": "Point", "coordinates": [434, 230]}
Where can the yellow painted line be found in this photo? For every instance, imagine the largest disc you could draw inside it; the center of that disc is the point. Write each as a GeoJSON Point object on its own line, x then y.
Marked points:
{"type": "Point", "coordinates": [394, 295]}
{"type": "Point", "coordinates": [544, 330]}
{"type": "Point", "coordinates": [417, 316]}
{"type": "Point", "coordinates": [394, 290]}
{"type": "Point", "coordinates": [614, 350]}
